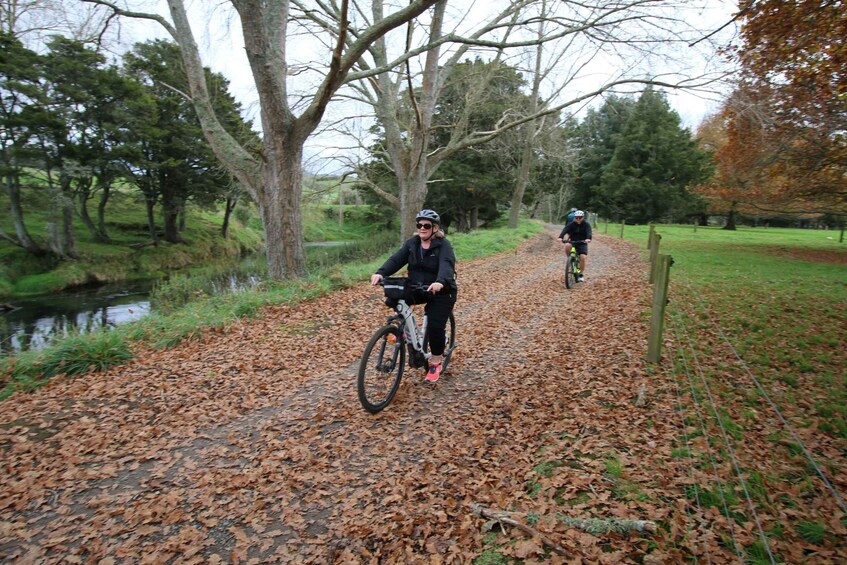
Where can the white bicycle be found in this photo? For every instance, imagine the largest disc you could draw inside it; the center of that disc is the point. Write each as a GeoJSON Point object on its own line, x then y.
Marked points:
{"type": "Point", "coordinates": [384, 359]}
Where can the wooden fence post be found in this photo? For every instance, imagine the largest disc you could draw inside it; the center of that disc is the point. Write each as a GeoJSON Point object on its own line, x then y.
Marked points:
{"type": "Point", "coordinates": [660, 300]}
{"type": "Point", "coordinates": [623, 223]}
{"type": "Point", "coordinates": [654, 253]}
{"type": "Point", "coordinates": [650, 235]}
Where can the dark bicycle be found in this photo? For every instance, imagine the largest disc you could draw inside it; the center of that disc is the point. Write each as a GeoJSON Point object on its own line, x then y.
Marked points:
{"type": "Point", "coordinates": [384, 359]}
{"type": "Point", "coordinates": [572, 271]}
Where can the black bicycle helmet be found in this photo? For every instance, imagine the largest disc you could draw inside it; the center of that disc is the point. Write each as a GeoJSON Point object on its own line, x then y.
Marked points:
{"type": "Point", "coordinates": [427, 214]}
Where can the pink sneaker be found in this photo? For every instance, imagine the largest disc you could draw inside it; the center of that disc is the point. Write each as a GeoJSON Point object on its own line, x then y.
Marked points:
{"type": "Point", "coordinates": [433, 373]}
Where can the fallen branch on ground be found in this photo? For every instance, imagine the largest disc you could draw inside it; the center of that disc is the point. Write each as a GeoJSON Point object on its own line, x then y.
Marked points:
{"type": "Point", "coordinates": [641, 397]}
{"type": "Point", "coordinates": [510, 518]}
{"type": "Point", "coordinates": [603, 526]}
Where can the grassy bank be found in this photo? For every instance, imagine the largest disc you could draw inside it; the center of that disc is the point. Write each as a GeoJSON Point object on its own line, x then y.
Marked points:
{"type": "Point", "coordinates": [779, 295]}
{"type": "Point", "coordinates": [96, 351]}
{"type": "Point", "coordinates": [129, 255]}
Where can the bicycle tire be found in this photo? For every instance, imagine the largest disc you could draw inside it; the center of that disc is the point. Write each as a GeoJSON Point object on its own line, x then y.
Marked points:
{"type": "Point", "coordinates": [570, 276]}
{"type": "Point", "coordinates": [377, 382]}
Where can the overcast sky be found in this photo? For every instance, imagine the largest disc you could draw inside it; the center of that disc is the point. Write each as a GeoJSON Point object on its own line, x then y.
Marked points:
{"type": "Point", "coordinates": [218, 34]}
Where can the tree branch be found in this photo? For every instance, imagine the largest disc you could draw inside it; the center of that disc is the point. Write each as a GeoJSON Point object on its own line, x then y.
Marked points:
{"type": "Point", "coordinates": [509, 518]}
{"type": "Point", "coordinates": [138, 15]}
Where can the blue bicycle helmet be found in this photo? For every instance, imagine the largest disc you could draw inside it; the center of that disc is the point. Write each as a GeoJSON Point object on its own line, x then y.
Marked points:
{"type": "Point", "coordinates": [427, 214]}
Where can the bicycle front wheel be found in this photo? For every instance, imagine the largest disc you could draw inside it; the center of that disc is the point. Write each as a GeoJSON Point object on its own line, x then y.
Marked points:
{"type": "Point", "coordinates": [570, 276]}
{"type": "Point", "coordinates": [381, 368]}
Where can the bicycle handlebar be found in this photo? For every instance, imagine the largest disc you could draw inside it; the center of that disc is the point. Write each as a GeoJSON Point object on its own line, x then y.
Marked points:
{"type": "Point", "coordinates": [572, 241]}
{"type": "Point", "coordinates": [411, 285]}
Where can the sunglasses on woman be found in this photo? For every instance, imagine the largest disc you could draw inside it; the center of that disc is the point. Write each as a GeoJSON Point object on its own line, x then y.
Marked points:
{"type": "Point", "coordinates": [424, 226]}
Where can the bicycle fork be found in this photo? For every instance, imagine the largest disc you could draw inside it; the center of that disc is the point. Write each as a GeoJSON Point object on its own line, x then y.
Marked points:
{"type": "Point", "coordinates": [383, 365]}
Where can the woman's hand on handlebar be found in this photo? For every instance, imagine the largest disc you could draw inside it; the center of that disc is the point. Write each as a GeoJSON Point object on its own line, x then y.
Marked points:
{"type": "Point", "coordinates": [435, 287]}
{"type": "Point", "coordinates": [375, 279]}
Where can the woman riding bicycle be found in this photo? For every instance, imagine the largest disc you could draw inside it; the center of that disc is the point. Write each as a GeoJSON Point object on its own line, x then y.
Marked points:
{"type": "Point", "coordinates": [431, 261]}
{"type": "Point", "coordinates": [578, 231]}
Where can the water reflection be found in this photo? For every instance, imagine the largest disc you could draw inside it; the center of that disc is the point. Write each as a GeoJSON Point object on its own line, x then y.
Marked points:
{"type": "Point", "coordinates": [233, 283]}
{"type": "Point", "coordinates": [34, 323]}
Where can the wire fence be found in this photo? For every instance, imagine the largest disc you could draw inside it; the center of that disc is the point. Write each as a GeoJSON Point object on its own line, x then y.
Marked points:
{"type": "Point", "coordinates": [711, 378]}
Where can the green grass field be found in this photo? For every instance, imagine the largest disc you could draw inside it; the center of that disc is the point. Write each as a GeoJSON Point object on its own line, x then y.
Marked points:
{"type": "Point", "coordinates": [756, 337]}
{"type": "Point", "coordinates": [779, 294]}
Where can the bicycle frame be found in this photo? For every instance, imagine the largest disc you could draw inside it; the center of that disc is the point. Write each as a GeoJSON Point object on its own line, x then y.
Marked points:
{"type": "Point", "coordinates": [572, 264]}
{"type": "Point", "coordinates": [413, 334]}
{"type": "Point", "coordinates": [573, 254]}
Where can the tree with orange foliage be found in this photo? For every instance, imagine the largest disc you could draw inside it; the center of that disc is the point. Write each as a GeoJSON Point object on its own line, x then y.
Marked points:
{"type": "Point", "coordinates": [742, 139]}
{"type": "Point", "coordinates": [794, 62]}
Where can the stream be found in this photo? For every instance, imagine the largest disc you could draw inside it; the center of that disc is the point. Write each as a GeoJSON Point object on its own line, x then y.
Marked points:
{"type": "Point", "coordinates": [33, 323]}
{"type": "Point", "coordinates": [30, 324]}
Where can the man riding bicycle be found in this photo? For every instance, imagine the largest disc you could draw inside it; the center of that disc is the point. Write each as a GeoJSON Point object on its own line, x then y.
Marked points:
{"type": "Point", "coordinates": [578, 231]}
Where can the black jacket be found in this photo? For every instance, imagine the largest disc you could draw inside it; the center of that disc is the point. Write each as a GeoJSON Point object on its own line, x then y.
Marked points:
{"type": "Point", "coordinates": [436, 264]}
{"type": "Point", "coordinates": [577, 231]}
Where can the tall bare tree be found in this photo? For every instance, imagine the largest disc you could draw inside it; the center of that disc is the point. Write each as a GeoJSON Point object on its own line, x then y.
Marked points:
{"type": "Point", "coordinates": [583, 37]}
{"type": "Point", "coordinates": [273, 177]}
{"type": "Point", "coordinates": [32, 21]}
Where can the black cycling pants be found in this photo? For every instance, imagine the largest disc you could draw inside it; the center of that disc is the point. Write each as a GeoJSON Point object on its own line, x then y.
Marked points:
{"type": "Point", "coordinates": [438, 308]}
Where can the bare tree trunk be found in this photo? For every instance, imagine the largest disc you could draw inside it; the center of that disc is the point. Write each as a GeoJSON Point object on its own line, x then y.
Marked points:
{"type": "Point", "coordinates": [730, 218]}
{"type": "Point", "coordinates": [54, 220]}
{"type": "Point", "coordinates": [83, 195]}
{"type": "Point", "coordinates": [150, 204]}
{"type": "Point", "coordinates": [229, 206]}
{"type": "Point", "coordinates": [66, 214]}
{"type": "Point", "coordinates": [68, 232]}
{"type": "Point", "coordinates": [170, 223]}
{"type": "Point", "coordinates": [170, 205]}
{"type": "Point", "coordinates": [528, 153]}
{"type": "Point", "coordinates": [279, 206]}
{"type": "Point", "coordinates": [533, 213]}
{"type": "Point", "coordinates": [105, 193]}
{"type": "Point", "coordinates": [413, 191]}
{"type": "Point", "coordinates": [527, 156]}
{"type": "Point", "coordinates": [23, 239]}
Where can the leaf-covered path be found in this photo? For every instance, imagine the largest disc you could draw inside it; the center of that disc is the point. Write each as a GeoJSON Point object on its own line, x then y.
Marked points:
{"type": "Point", "coordinates": [249, 444]}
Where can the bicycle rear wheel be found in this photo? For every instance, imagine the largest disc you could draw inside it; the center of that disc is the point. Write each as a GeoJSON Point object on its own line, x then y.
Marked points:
{"type": "Point", "coordinates": [381, 368]}
{"type": "Point", "coordinates": [570, 276]}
